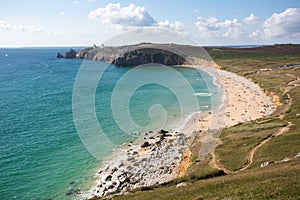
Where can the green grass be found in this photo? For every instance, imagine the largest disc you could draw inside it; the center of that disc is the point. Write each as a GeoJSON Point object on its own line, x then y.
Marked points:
{"type": "Point", "coordinates": [254, 126]}
{"type": "Point", "coordinates": [233, 151]}
{"type": "Point", "coordinates": [279, 181]}
{"type": "Point", "coordinates": [239, 140]}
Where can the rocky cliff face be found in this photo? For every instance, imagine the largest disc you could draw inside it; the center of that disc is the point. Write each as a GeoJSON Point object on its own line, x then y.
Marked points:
{"type": "Point", "coordinates": [127, 55]}
{"type": "Point", "coordinates": [144, 56]}
{"type": "Point", "coordinates": [71, 54]}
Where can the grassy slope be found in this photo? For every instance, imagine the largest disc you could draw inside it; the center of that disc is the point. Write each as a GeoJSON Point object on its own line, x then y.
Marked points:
{"type": "Point", "coordinates": [279, 181]}
{"type": "Point", "coordinates": [276, 181]}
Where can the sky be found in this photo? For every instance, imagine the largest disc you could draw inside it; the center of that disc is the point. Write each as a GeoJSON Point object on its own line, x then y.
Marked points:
{"type": "Point", "coordinates": [85, 22]}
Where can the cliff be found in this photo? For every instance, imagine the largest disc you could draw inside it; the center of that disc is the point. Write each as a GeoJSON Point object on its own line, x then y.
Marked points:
{"type": "Point", "coordinates": [144, 56]}
{"type": "Point", "coordinates": [133, 55]}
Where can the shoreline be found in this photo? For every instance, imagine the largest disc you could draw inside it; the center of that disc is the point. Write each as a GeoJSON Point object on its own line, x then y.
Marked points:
{"type": "Point", "coordinates": [161, 157]}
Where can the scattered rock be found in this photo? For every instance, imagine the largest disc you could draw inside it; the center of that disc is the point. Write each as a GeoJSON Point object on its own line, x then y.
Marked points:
{"type": "Point", "coordinates": [264, 164]}
{"type": "Point", "coordinates": [148, 168]}
{"type": "Point", "coordinates": [72, 191]}
{"type": "Point", "coordinates": [183, 184]}
{"type": "Point", "coordinates": [108, 178]}
{"type": "Point", "coordinates": [72, 183]}
{"type": "Point", "coordinates": [146, 144]}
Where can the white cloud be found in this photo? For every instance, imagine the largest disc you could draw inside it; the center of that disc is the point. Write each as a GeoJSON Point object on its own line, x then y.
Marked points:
{"type": "Point", "coordinates": [53, 32]}
{"type": "Point", "coordinates": [5, 25]}
{"type": "Point", "coordinates": [255, 34]}
{"type": "Point", "coordinates": [283, 25]}
{"type": "Point", "coordinates": [24, 28]}
{"type": "Point", "coordinates": [77, 2]}
{"type": "Point", "coordinates": [177, 26]}
{"type": "Point", "coordinates": [91, 0]}
{"type": "Point", "coordinates": [251, 19]}
{"type": "Point", "coordinates": [62, 13]}
{"type": "Point", "coordinates": [128, 17]}
{"type": "Point", "coordinates": [30, 29]}
{"type": "Point", "coordinates": [234, 28]}
{"type": "Point", "coordinates": [209, 25]}
{"type": "Point", "coordinates": [212, 27]}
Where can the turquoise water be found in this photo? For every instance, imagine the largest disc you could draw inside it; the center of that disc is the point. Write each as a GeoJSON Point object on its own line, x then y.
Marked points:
{"type": "Point", "coordinates": [41, 154]}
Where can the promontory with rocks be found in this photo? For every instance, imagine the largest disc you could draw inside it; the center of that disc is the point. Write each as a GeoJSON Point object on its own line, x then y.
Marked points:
{"type": "Point", "coordinates": [139, 54]}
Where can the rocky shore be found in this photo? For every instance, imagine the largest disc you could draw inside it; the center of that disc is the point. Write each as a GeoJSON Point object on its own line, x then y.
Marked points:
{"type": "Point", "coordinates": [154, 160]}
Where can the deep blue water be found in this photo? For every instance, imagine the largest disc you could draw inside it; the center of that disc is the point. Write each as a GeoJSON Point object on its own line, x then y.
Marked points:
{"type": "Point", "coordinates": [41, 154]}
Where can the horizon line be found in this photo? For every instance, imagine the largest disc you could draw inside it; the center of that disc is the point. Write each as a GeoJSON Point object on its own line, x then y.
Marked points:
{"type": "Point", "coordinates": [208, 45]}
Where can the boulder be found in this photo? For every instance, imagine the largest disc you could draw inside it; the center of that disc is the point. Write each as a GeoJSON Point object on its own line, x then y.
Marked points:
{"type": "Point", "coordinates": [59, 55]}
{"type": "Point", "coordinates": [146, 144]}
{"type": "Point", "coordinates": [108, 178]}
{"type": "Point", "coordinates": [183, 184]}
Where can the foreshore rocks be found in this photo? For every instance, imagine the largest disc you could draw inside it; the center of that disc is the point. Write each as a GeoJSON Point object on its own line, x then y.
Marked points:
{"type": "Point", "coordinates": [71, 54]}
{"type": "Point", "coordinates": [59, 55]}
{"type": "Point", "coordinates": [152, 163]}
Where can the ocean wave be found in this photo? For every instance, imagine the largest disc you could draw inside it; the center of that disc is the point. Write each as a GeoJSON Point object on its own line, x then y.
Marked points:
{"type": "Point", "coordinates": [203, 94]}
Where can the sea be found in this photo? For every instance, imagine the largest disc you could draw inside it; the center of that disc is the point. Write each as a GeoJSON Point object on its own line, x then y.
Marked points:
{"type": "Point", "coordinates": [42, 154]}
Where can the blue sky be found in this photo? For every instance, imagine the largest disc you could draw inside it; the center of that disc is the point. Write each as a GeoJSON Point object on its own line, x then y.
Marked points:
{"type": "Point", "coordinates": [85, 22]}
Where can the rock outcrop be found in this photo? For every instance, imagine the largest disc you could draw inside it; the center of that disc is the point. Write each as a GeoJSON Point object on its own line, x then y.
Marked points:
{"type": "Point", "coordinates": [71, 54]}
{"type": "Point", "coordinates": [59, 55]}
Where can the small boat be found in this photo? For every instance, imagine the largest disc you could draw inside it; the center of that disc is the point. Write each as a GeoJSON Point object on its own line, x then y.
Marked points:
{"type": "Point", "coordinates": [6, 55]}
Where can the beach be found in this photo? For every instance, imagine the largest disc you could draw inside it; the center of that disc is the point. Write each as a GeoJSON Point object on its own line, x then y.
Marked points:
{"type": "Point", "coordinates": [160, 157]}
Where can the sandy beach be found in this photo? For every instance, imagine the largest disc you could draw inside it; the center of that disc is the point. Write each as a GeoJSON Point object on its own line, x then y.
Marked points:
{"type": "Point", "coordinates": [160, 157]}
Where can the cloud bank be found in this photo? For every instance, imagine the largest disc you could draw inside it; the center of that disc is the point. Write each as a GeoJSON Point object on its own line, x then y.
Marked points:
{"type": "Point", "coordinates": [128, 17]}
{"type": "Point", "coordinates": [251, 19]}
{"type": "Point", "coordinates": [283, 25]}
{"type": "Point", "coordinates": [212, 27]}
{"type": "Point", "coordinates": [24, 28]}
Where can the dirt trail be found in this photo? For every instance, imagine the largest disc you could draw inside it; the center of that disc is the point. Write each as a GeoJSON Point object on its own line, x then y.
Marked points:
{"type": "Point", "coordinates": [251, 153]}
{"type": "Point", "coordinates": [214, 163]}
